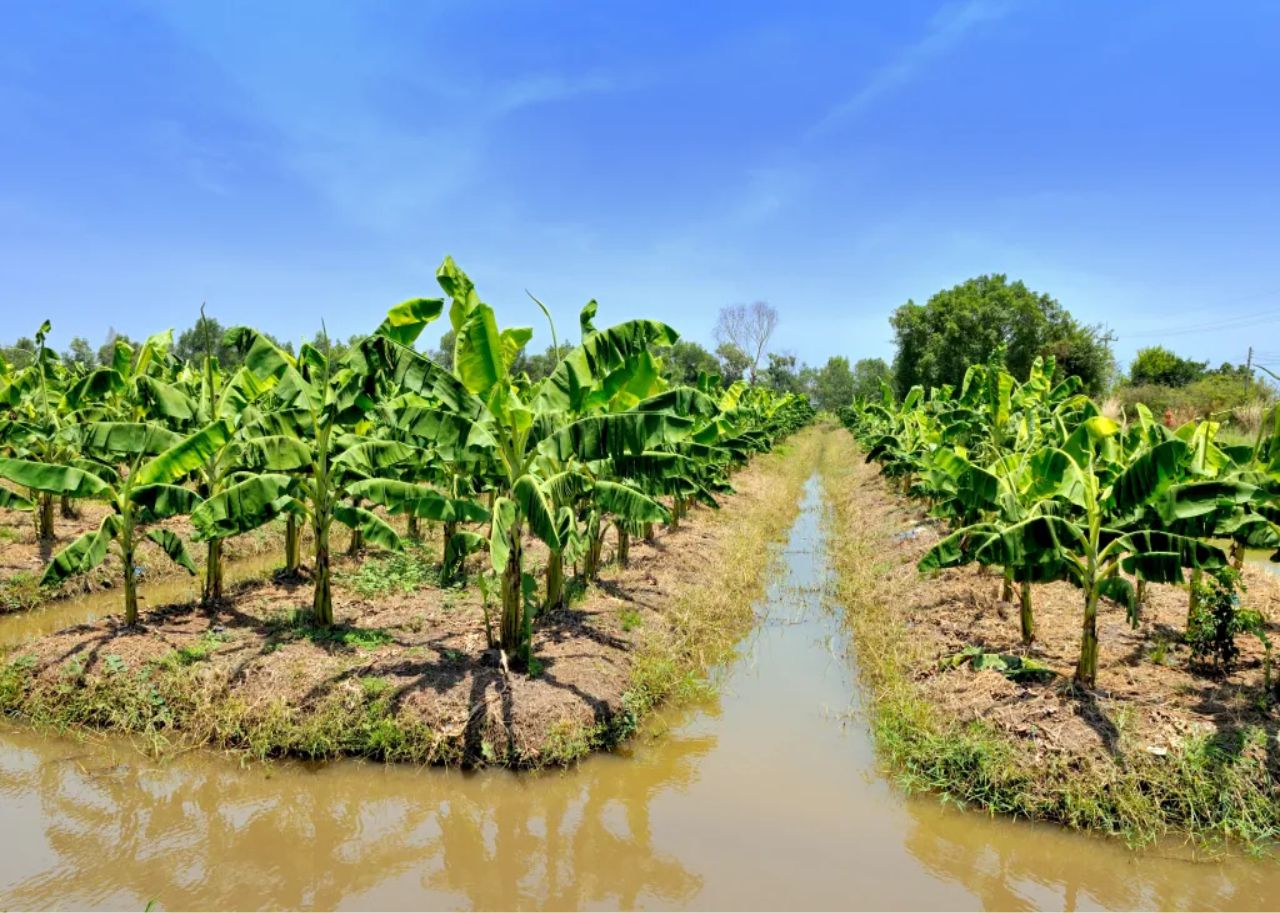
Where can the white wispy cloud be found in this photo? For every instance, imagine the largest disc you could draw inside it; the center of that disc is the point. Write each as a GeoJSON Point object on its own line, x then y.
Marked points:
{"type": "Point", "coordinates": [947, 28]}
{"type": "Point", "coordinates": [383, 139]}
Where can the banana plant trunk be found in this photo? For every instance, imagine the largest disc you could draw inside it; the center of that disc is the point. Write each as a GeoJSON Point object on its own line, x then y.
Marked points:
{"type": "Point", "coordinates": [68, 509]}
{"type": "Point", "coordinates": [1006, 592]}
{"type": "Point", "coordinates": [649, 532]}
{"type": "Point", "coordinates": [1193, 597]}
{"type": "Point", "coordinates": [595, 545]}
{"type": "Point", "coordinates": [412, 529]}
{"type": "Point", "coordinates": [624, 545]}
{"type": "Point", "coordinates": [1027, 616]}
{"type": "Point", "coordinates": [1087, 667]}
{"type": "Point", "coordinates": [357, 536]}
{"type": "Point", "coordinates": [449, 561]}
{"type": "Point", "coordinates": [212, 573]}
{"type": "Point", "coordinates": [555, 581]}
{"type": "Point", "coordinates": [512, 628]}
{"type": "Point", "coordinates": [322, 603]}
{"type": "Point", "coordinates": [292, 550]}
{"type": "Point", "coordinates": [44, 518]}
{"type": "Point", "coordinates": [130, 571]}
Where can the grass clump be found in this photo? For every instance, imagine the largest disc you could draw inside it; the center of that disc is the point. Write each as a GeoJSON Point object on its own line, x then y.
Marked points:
{"type": "Point", "coordinates": [199, 651]}
{"type": "Point", "coordinates": [20, 591]}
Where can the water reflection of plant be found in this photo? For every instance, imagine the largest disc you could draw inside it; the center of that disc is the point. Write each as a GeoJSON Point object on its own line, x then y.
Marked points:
{"type": "Point", "coordinates": [201, 832]}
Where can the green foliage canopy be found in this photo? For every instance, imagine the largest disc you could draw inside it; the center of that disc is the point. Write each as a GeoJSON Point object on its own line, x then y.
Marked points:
{"type": "Point", "coordinates": [968, 324]}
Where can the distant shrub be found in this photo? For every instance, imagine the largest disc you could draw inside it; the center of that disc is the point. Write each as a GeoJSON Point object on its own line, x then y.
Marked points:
{"type": "Point", "coordinates": [1226, 397]}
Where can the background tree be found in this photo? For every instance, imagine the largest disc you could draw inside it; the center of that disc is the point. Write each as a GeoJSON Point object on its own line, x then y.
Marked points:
{"type": "Point", "coordinates": [684, 361]}
{"type": "Point", "coordinates": [537, 366]}
{"type": "Point", "coordinates": [867, 374]}
{"type": "Point", "coordinates": [782, 374]}
{"type": "Point", "coordinates": [748, 328]}
{"type": "Point", "coordinates": [964, 325]}
{"type": "Point", "coordinates": [322, 342]}
{"type": "Point", "coordinates": [443, 356]}
{"type": "Point", "coordinates": [21, 354]}
{"type": "Point", "coordinates": [833, 386]}
{"type": "Point", "coordinates": [733, 362]}
{"type": "Point", "coordinates": [80, 355]}
{"type": "Point", "coordinates": [1157, 365]}
{"type": "Point", "coordinates": [203, 339]}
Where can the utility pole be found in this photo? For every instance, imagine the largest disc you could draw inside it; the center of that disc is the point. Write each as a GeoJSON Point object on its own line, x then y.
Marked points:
{"type": "Point", "coordinates": [1248, 377]}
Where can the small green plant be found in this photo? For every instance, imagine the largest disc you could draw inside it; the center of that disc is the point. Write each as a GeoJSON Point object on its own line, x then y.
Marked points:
{"type": "Point", "coordinates": [200, 649]}
{"type": "Point", "coordinates": [1158, 652]}
{"type": "Point", "coordinates": [20, 591]}
{"type": "Point", "coordinates": [630, 619]}
{"type": "Point", "coordinates": [1216, 618]}
{"type": "Point", "coordinates": [403, 572]}
{"type": "Point", "coordinates": [295, 625]}
{"type": "Point", "coordinates": [360, 638]}
{"type": "Point", "coordinates": [374, 686]}
{"type": "Point", "coordinates": [1015, 668]}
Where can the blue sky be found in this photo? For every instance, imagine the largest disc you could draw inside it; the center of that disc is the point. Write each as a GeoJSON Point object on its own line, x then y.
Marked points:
{"type": "Point", "coordinates": [288, 162]}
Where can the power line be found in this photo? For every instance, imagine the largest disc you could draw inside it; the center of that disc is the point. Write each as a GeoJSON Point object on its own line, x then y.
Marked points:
{"type": "Point", "coordinates": [1230, 323]}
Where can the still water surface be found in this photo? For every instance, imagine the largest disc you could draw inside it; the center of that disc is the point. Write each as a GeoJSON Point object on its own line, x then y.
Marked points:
{"type": "Point", "coordinates": [766, 797]}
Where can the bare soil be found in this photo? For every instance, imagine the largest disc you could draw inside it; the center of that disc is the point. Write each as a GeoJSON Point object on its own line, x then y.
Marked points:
{"type": "Point", "coordinates": [1149, 696]}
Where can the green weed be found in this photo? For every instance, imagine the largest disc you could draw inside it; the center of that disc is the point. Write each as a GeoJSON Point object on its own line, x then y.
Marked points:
{"type": "Point", "coordinates": [403, 572]}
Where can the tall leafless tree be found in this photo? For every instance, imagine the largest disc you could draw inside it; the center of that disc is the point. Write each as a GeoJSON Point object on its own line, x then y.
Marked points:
{"type": "Point", "coordinates": [747, 327]}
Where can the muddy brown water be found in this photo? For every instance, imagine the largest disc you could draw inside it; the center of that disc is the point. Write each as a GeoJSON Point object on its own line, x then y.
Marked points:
{"type": "Point", "coordinates": [766, 797]}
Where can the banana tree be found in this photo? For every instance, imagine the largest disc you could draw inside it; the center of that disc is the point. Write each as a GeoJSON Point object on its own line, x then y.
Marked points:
{"type": "Point", "coordinates": [137, 386]}
{"type": "Point", "coordinates": [40, 429]}
{"type": "Point", "coordinates": [1082, 544]}
{"type": "Point", "coordinates": [529, 433]}
{"type": "Point", "coordinates": [137, 470]}
{"type": "Point", "coordinates": [309, 452]}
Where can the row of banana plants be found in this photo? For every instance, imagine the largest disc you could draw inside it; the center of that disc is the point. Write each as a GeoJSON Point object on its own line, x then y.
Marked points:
{"type": "Point", "coordinates": [321, 440]}
{"type": "Point", "coordinates": [1035, 480]}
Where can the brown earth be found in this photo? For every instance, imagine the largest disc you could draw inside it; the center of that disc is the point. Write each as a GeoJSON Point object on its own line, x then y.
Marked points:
{"type": "Point", "coordinates": [253, 669]}
{"type": "Point", "coordinates": [1149, 697]}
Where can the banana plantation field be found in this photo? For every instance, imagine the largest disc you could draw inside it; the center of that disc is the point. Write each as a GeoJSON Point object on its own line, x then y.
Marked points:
{"type": "Point", "coordinates": [1043, 611]}
{"type": "Point", "coordinates": [474, 507]}
{"type": "Point", "coordinates": [1091, 615]}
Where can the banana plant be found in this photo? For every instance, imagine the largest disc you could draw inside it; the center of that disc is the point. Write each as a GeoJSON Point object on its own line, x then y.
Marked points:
{"type": "Point", "coordinates": [231, 400]}
{"type": "Point", "coordinates": [1084, 543]}
{"type": "Point", "coordinates": [137, 386]}
{"type": "Point", "coordinates": [530, 433]}
{"type": "Point", "coordinates": [309, 452]}
{"type": "Point", "coordinates": [39, 429]}
{"type": "Point", "coordinates": [137, 469]}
